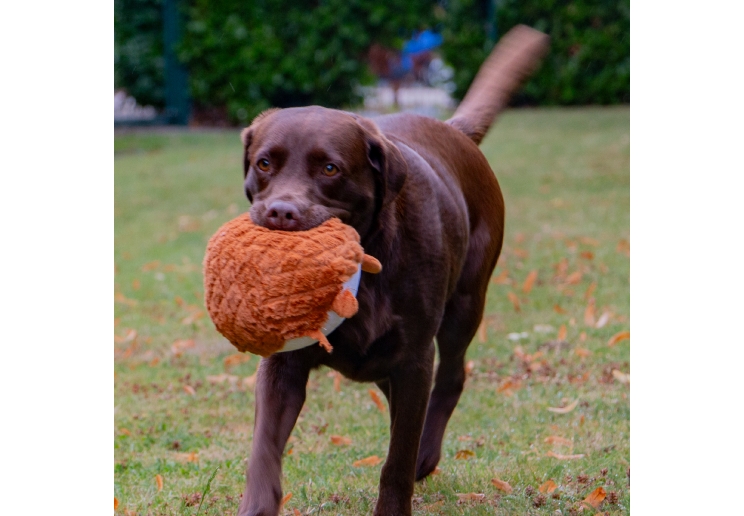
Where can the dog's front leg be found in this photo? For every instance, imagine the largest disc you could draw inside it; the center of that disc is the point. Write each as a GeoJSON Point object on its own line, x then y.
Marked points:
{"type": "Point", "coordinates": [408, 395]}
{"type": "Point", "coordinates": [280, 394]}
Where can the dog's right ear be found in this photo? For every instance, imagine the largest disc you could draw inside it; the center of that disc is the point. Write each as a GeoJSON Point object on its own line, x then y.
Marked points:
{"type": "Point", "coordinates": [246, 136]}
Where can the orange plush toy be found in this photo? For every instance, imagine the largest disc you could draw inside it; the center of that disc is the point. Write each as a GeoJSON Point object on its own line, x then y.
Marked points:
{"type": "Point", "coordinates": [269, 290]}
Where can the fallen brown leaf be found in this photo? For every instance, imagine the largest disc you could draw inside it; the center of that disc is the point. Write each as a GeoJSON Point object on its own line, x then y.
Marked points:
{"type": "Point", "coordinates": [589, 313]}
{"type": "Point", "coordinates": [151, 266]}
{"type": "Point", "coordinates": [603, 320]}
{"type": "Point", "coordinates": [124, 431]}
{"type": "Point", "coordinates": [508, 386]}
{"type": "Point", "coordinates": [502, 485]}
{"type": "Point", "coordinates": [128, 337]}
{"type": "Point", "coordinates": [529, 282]}
{"type": "Point", "coordinates": [296, 512]}
{"type": "Point", "coordinates": [596, 497]}
{"type": "Point", "coordinates": [548, 487]}
{"type": "Point", "coordinates": [116, 503]}
{"type": "Point", "coordinates": [623, 335]}
{"type": "Point", "coordinates": [502, 278]}
{"type": "Point", "coordinates": [560, 456]}
{"type": "Point", "coordinates": [159, 481]}
{"type": "Point", "coordinates": [582, 352]}
{"type": "Point", "coordinates": [437, 471]}
{"type": "Point", "coordinates": [469, 366]}
{"type": "Point", "coordinates": [514, 300]}
{"type": "Point", "coordinates": [574, 278]}
{"type": "Point", "coordinates": [589, 241]}
{"type": "Point", "coordinates": [464, 454]}
{"type": "Point", "coordinates": [340, 440]}
{"type": "Point", "coordinates": [520, 253]}
{"type": "Point", "coordinates": [179, 346]}
{"type": "Point", "coordinates": [186, 457]}
{"type": "Point", "coordinates": [193, 317]}
{"type": "Point", "coordinates": [582, 336]}
{"type": "Point", "coordinates": [557, 309]}
{"type": "Point", "coordinates": [482, 332]}
{"type": "Point", "coordinates": [564, 410]}
{"type": "Point", "coordinates": [121, 298]}
{"type": "Point", "coordinates": [467, 497]}
{"type": "Point", "coordinates": [623, 246]}
{"type": "Point", "coordinates": [287, 497]}
{"type": "Point", "coordinates": [377, 401]}
{"type": "Point", "coordinates": [372, 460]}
{"type": "Point", "coordinates": [555, 439]}
{"type": "Point", "coordinates": [590, 290]}
{"type": "Point", "coordinates": [562, 332]}
{"type": "Point", "coordinates": [222, 378]}
{"type": "Point", "coordinates": [621, 377]}
{"type": "Point", "coordinates": [337, 381]}
{"type": "Point", "coordinates": [235, 359]}
{"type": "Point", "coordinates": [587, 255]}
{"type": "Point", "coordinates": [188, 389]}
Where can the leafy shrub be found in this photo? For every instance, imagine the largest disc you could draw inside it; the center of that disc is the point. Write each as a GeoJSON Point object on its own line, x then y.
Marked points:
{"type": "Point", "coordinates": [138, 50]}
{"type": "Point", "coordinates": [589, 58]}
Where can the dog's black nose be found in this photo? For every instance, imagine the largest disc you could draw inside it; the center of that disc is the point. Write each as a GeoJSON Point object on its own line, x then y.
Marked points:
{"type": "Point", "coordinates": [282, 215]}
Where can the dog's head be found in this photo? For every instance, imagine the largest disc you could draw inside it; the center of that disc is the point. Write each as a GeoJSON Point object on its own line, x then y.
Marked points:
{"type": "Point", "coordinates": [303, 166]}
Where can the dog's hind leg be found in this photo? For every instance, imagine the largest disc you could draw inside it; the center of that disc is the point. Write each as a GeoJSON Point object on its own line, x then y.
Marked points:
{"type": "Point", "coordinates": [462, 316]}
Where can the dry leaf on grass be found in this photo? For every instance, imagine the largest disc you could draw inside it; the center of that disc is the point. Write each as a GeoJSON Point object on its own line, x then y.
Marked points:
{"type": "Point", "coordinates": [186, 457]}
{"type": "Point", "coordinates": [621, 377]}
{"type": "Point", "coordinates": [623, 246]}
{"type": "Point", "coordinates": [464, 454]}
{"type": "Point", "coordinates": [296, 512]}
{"type": "Point", "coordinates": [235, 359]}
{"type": "Point", "coordinates": [555, 439]}
{"type": "Point", "coordinates": [502, 485]}
{"type": "Point", "coordinates": [623, 335]}
{"type": "Point", "coordinates": [128, 337]}
{"type": "Point", "coordinates": [514, 300]}
{"type": "Point", "coordinates": [181, 345]}
{"type": "Point", "coordinates": [159, 481]}
{"type": "Point", "coordinates": [377, 401]}
{"type": "Point", "coordinates": [557, 309]}
{"type": "Point", "coordinates": [548, 487]}
{"type": "Point", "coordinates": [468, 497]}
{"type": "Point", "coordinates": [151, 266]}
{"type": "Point", "coordinates": [574, 278]}
{"type": "Point", "coordinates": [482, 332]}
{"type": "Point", "coordinates": [508, 386]}
{"type": "Point", "coordinates": [116, 503]}
{"type": "Point", "coordinates": [188, 389]}
{"type": "Point", "coordinates": [124, 431]}
{"type": "Point", "coordinates": [560, 456]}
{"type": "Point", "coordinates": [590, 290]}
{"type": "Point", "coordinates": [564, 410]}
{"type": "Point", "coordinates": [589, 313]}
{"type": "Point", "coordinates": [502, 278]}
{"type": "Point", "coordinates": [372, 460]}
{"type": "Point", "coordinates": [192, 317]}
{"type": "Point", "coordinates": [469, 367]}
{"type": "Point", "coordinates": [121, 298]}
{"type": "Point", "coordinates": [582, 352]}
{"type": "Point", "coordinates": [287, 497]}
{"type": "Point", "coordinates": [587, 255]}
{"type": "Point", "coordinates": [340, 440]}
{"type": "Point", "coordinates": [222, 378]}
{"type": "Point", "coordinates": [603, 320]}
{"type": "Point", "coordinates": [437, 471]}
{"type": "Point", "coordinates": [562, 332]}
{"type": "Point", "coordinates": [337, 381]}
{"type": "Point", "coordinates": [529, 282]}
{"type": "Point", "coordinates": [596, 497]}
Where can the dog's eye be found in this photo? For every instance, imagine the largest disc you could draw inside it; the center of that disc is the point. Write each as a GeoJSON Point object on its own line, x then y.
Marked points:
{"type": "Point", "coordinates": [330, 170]}
{"type": "Point", "coordinates": [263, 164]}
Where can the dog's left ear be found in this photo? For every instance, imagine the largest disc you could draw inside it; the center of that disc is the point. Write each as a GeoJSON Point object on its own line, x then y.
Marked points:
{"type": "Point", "coordinates": [386, 160]}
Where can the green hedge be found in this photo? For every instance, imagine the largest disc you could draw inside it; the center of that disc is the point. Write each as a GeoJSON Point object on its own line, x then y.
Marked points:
{"type": "Point", "coordinates": [243, 57]}
{"type": "Point", "coordinates": [589, 58]}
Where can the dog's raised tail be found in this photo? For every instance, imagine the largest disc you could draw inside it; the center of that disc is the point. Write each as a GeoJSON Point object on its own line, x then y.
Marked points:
{"type": "Point", "coordinates": [512, 60]}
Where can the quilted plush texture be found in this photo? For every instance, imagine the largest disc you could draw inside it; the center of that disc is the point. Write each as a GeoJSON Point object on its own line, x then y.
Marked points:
{"type": "Point", "coordinates": [263, 287]}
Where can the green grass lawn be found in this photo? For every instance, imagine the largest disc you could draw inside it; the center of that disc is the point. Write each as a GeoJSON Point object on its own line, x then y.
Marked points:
{"type": "Point", "coordinates": [184, 403]}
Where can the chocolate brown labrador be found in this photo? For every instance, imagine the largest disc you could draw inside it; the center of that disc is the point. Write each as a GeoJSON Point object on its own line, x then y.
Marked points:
{"type": "Point", "coordinates": [427, 205]}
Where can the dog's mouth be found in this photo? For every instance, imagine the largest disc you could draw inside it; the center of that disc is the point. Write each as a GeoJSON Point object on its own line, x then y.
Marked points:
{"type": "Point", "coordinates": [288, 216]}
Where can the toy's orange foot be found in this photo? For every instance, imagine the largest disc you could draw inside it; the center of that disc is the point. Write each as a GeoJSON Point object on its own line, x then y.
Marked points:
{"type": "Point", "coordinates": [371, 264]}
{"type": "Point", "coordinates": [345, 304]}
